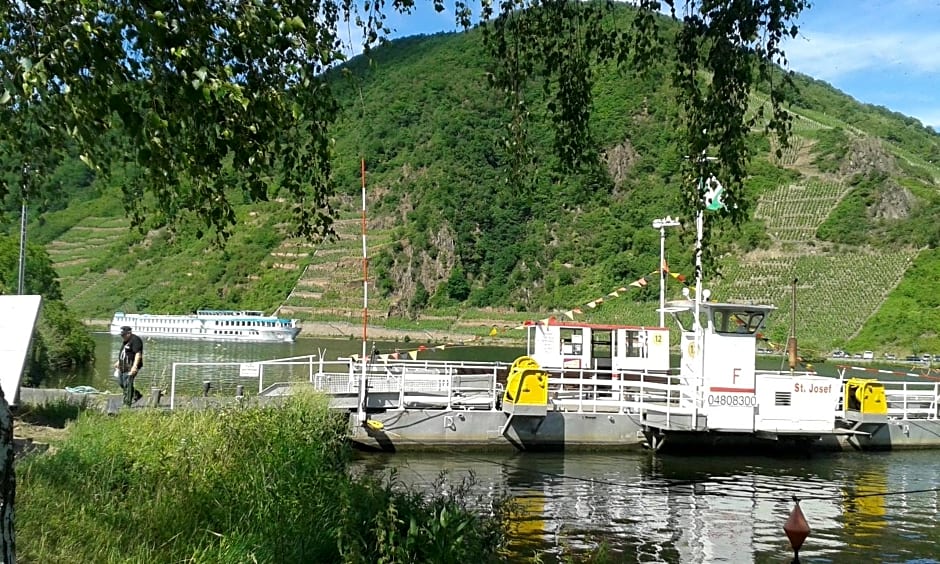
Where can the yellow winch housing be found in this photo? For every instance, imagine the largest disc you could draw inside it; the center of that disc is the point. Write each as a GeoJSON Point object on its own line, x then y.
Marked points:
{"type": "Point", "coordinates": [865, 396]}
{"type": "Point", "coordinates": [526, 388]}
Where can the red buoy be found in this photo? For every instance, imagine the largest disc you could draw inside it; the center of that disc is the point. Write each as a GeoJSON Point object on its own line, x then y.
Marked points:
{"type": "Point", "coordinates": [796, 528]}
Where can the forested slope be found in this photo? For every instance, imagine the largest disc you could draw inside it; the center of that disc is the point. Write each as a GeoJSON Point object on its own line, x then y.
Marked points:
{"type": "Point", "coordinates": [847, 210]}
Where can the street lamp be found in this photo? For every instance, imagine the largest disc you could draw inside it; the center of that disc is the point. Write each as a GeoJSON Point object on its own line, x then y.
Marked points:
{"type": "Point", "coordinates": [662, 224]}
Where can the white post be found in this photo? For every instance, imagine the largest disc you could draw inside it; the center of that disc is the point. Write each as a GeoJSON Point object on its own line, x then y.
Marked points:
{"type": "Point", "coordinates": [699, 329]}
{"type": "Point", "coordinates": [699, 233]}
{"type": "Point", "coordinates": [21, 282]}
{"type": "Point", "coordinates": [662, 274]}
{"type": "Point", "coordinates": [662, 224]}
{"type": "Point", "coordinates": [173, 387]}
{"type": "Point", "coordinates": [363, 384]}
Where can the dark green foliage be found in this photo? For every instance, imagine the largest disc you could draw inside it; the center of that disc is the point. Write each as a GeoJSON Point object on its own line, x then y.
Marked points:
{"type": "Point", "coordinates": [420, 298]}
{"type": "Point", "coordinates": [189, 88]}
{"type": "Point", "coordinates": [40, 277]}
{"type": "Point", "coordinates": [455, 290]}
{"type": "Point", "coordinates": [61, 344]}
{"type": "Point", "coordinates": [850, 223]}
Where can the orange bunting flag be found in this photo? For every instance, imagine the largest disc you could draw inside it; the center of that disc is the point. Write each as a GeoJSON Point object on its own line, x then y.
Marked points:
{"type": "Point", "coordinates": [394, 355]}
{"type": "Point", "coordinates": [577, 310]}
{"type": "Point", "coordinates": [413, 355]}
{"type": "Point", "coordinates": [677, 276]}
{"type": "Point", "coordinates": [622, 289]}
{"type": "Point", "coordinates": [592, 305]}
{"type": "Point", "coordinates": [613, 295]}
{"type": "Point", "coordinates": [545, 321]}
{"type": "Point", "coordinates": [570, 314]}
{"type": "Point", "coordinates": [638, 283]}
{"type": "Point", "coordinates": [665, 267]}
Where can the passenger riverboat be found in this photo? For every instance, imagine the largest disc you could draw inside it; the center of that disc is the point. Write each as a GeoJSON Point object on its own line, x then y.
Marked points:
{"type": "Point", "coordinates": [212, 325]}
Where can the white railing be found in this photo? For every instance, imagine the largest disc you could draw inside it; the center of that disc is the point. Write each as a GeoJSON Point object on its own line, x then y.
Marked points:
{"type": "Point", "coordinates": [403, 384]}
{"type": "Point", "coordinates": [230, 379]}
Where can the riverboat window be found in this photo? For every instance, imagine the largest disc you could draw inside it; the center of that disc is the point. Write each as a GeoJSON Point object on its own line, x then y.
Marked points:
{"type": "Point", "coordinates": [635, 344]}
{"type": "Point", "coordinates": [602, 348]}
{"type": "Point", "coordinates": [572, 340]}
{"type": "Point", "coordinates": [732, 322]}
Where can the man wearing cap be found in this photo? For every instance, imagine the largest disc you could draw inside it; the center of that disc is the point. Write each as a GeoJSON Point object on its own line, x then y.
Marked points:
{"type": "Point", "coordinates": [130, 361]}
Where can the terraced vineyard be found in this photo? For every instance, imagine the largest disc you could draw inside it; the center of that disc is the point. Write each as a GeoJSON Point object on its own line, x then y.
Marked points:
{"type": "Point", "coordinates": [76, 251]}
{"type": "Point", "coordinates": [792, 213]}
{"type": "Point", "coordinates": [836, 294]}
{"type": "Point", "coordinates": [330, 285]}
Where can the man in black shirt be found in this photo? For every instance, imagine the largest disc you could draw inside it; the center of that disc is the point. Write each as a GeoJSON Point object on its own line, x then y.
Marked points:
{"type": "Point", "coordinates": [130, 361]}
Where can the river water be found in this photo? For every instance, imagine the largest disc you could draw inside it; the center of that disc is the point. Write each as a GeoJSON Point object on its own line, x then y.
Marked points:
{"type": "Point", "coordinates": [656, 508]}
{"type": "Point", "coordinates": [861, 507]}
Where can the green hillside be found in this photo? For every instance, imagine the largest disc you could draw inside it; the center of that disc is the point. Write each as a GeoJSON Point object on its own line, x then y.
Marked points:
{"type": "Point", "coordinates": [846, 209]}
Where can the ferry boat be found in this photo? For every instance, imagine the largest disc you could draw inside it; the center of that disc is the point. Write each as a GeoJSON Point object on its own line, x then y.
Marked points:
{"type": "Point", "coordinates": [591, 386]}
{"type": "Point", "coordinates": [212, 325]}
{"type": "Point", "coordinates": [594, 386]}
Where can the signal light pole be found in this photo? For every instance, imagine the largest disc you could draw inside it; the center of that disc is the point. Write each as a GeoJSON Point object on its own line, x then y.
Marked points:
{"type": "Point", "coordinates": [662, 224]}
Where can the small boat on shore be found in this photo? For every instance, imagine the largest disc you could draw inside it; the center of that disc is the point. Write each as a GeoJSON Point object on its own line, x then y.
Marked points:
{"type": "Point", "coordinates": [210, 325]}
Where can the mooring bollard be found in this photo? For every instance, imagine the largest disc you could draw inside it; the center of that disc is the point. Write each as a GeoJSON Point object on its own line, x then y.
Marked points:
{"type": "Point", "coordinates": [206, 386]}
{"type": "Point", "coordinates": [239, 391]}
{"type": "Point", "coordinates": [155, 395]}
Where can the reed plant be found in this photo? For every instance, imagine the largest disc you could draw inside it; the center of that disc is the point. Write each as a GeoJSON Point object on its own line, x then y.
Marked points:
{"type": "Point", "coordinates": [239, 484]}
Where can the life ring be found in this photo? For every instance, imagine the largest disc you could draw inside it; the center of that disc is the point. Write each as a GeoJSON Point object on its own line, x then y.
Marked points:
{"type": "Point", "coordinates": [691, 349]}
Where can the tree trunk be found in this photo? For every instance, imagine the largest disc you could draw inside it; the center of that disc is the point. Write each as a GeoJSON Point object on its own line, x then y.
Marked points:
{"type": "Point", "coordinates": [7, 483]}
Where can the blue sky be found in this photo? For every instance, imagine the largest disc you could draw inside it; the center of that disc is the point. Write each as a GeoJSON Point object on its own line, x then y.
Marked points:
{"type": "Point", "coordinates": [880, 52]}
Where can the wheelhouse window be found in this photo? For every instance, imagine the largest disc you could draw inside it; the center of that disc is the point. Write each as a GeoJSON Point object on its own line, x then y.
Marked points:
{"type": "Point", "coordinates": [742, 322]}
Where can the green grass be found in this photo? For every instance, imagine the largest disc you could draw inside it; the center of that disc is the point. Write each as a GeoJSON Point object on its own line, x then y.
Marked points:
{"type": "Point", "coordinates": [234, 485]}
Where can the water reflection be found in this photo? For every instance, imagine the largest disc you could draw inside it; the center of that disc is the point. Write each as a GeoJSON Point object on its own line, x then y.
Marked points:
{"type": "Point", "coordinates": [674, 509]}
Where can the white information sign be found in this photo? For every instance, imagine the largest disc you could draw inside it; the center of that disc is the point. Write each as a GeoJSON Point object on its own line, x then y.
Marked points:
{"type": "Point", "coordinates": [17, 320]}
{"type": "Point", "coordinates": [249, 370]}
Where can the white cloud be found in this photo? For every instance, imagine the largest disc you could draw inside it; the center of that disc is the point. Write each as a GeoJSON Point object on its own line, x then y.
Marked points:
{"type": "Point", "coordinates": [828, 56]}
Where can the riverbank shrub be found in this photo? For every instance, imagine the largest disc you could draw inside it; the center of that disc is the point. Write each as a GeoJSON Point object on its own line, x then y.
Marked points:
{"type": "Point", "coordinates": [239, 484]}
